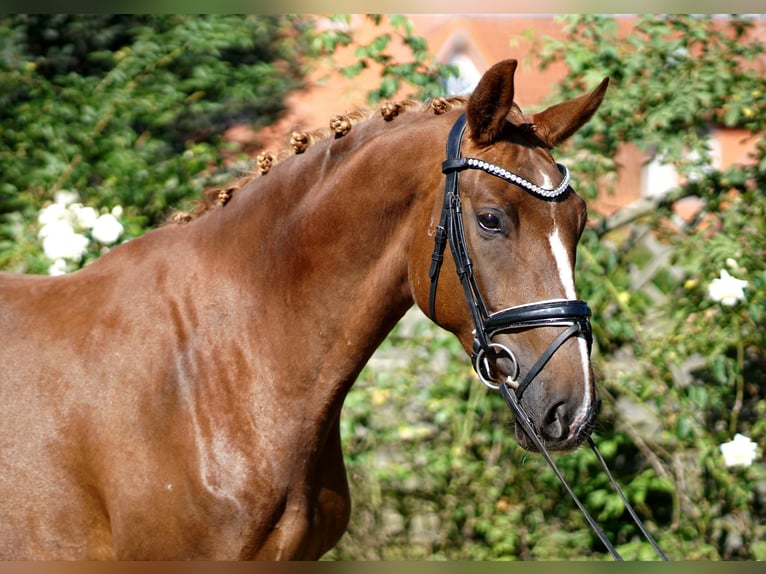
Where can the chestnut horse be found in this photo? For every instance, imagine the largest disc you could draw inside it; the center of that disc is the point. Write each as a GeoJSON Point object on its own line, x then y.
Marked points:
{"type": "Point", "coordinates": [180, 397]}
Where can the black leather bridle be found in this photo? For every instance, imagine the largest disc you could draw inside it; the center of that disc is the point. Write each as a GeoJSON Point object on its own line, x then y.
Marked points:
{"type": "Point", "coordinates": [573, 314]}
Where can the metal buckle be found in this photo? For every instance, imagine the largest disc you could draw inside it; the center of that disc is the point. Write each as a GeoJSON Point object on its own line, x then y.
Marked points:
{"type": "Point", "coordinates": [482, 368]}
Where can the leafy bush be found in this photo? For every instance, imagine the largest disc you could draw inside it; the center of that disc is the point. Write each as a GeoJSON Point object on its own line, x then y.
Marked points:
{"type": "Point", "coordinates": [128, 110]}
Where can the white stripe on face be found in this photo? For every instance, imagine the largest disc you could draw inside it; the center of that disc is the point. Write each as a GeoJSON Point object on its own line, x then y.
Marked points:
{"type": "Point", "coordinates": [566, 275]}
{"type": "Point", "coordinates": [547, 183]}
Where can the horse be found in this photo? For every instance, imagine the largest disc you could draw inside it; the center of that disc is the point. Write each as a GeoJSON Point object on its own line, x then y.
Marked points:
{"type": "Point", "coordinates": [180, 396]}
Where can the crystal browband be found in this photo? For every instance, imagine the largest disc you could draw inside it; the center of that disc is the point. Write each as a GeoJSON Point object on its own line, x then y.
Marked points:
{"type": "Point", "coordinates": [511, 177]}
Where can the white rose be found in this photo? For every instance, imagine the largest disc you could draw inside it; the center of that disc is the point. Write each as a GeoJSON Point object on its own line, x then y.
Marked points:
{"type": "Point", "coordinates": [727, 290]}
{"type": "Point", "coordinates": [739, 452]}
{"type": "Point", "coordinates": [55, 227]}
{"type": "Point", "coordinates": [61, 242]}
{"type": "Point", "coordinates": [65, 197]}
{"type": "Point", "coordinates": [51, 213]}
{"type": "Point", "coordinates": [58, 267]}
{"type": "Point", "coordinates": [106, 229]}
{"type": "Point", "coordinates": [84, 216]}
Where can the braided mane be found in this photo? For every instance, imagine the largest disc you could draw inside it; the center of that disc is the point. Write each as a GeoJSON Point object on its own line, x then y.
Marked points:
{"type": "Point", "coordinates": [299, 141]}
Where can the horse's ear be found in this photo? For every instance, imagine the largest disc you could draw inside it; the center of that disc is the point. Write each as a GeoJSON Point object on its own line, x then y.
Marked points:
{"type": "Point", "coordinates": [559, 122]}
{"type": "Point", "coordinates": [490, 102]}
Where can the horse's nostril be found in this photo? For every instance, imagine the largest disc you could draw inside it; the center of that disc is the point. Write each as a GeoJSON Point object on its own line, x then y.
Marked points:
{"type": "Point", "coordinates": [556, 423]}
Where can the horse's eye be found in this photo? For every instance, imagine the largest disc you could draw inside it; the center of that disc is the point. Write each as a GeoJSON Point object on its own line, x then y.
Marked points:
{"type": "Point", "coordinates": [489, 221]}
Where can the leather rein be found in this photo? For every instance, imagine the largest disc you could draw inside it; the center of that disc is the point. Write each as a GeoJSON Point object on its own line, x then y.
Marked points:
{"type": "Point", "coordinates": [573, 315]}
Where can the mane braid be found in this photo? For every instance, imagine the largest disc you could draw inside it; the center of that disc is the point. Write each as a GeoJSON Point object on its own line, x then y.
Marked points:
{"type": "Point", "coordinates": [299, 141]}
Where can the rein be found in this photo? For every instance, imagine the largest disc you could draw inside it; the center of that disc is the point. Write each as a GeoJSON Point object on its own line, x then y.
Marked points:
{"type": "Point", "coordinates": [573, 315]}
{"type": "Point", "coordinates": [523, 419]}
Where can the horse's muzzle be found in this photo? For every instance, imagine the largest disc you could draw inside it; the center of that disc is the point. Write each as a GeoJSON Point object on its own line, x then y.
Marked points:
{"type": "Point", "coordinates": [561, 426]}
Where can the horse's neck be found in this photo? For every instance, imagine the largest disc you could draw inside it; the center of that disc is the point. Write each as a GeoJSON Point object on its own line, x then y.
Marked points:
{"type": "Point", "coordinates": [320, 245]}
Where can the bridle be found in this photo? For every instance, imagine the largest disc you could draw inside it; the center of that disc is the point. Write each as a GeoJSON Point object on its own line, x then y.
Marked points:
{"type": "Point", "coordinates": [571, 314]}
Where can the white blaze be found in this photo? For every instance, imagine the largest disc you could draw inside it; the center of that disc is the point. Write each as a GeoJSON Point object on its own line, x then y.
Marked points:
{"type": "Point", "coordinates": [547, 183]}
{"type": "Point", "coordinates": [566, 275]}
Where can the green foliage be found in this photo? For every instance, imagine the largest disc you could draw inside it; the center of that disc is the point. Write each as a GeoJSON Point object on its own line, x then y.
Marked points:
{"type": "Point", "coordinates": [670, 79]}
{"type": "Point", "coordinates": [697, 364]}
{"type": "Point", "coordinates": [422, 72]}
{"type": "Point", "coordinates": [127, 109]}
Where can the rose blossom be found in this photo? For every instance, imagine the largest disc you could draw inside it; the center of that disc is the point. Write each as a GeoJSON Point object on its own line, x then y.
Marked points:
{"type": "Point", "coordinates": [727, 290]}
{"type": "Point", "coordinates": [106, 229]}
{"type": "Point", "coordinates": [739, 452]}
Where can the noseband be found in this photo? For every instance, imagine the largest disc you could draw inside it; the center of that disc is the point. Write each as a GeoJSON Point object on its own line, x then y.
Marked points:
{"type": "Point", "coordinates": [573, 314]}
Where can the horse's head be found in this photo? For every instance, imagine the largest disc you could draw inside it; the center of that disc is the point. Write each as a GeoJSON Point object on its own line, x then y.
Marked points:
{"type": "Point", "coordinates": [512, 224]}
